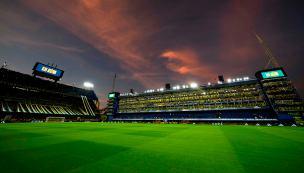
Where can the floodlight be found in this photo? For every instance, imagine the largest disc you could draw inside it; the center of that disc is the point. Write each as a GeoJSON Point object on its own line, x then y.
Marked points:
{"type": "Point", "coordinates": [238, 79]}
{"type": "Point", "coordinates": [184, 86]}
{"type": "Point", "coordinates": [233, 80]}
{"type": "Point", "coordinates": [174, 88]}
{"type": "Point", "coordinates": [162, 89]}
{"type": "Point", "coordinates": [177, 87]}
{"type": "Point", "coordinates": [229, 80]}
{"type": "Point", "coordinates": [193, 85]}
{"type": "Point", "coordinates": [209, 83]}
{"type": "Point", "coordinates": [89, 85]}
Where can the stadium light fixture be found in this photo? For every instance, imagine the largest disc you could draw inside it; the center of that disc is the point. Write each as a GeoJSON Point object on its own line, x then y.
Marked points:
{"type": "Point", "coordinates": [238, 79]}
{"type": "Point", "coordinates": [174, 88]}
{"type": "Point", "coordinates": [88, 85]}
{"type": "Point", "coordinates": [177, 87]}
{"type": "Point", "coordinates": [209, 83]}
{"type": "Point", "coordinates": [193, 85]}
{"type": "Point", "coordinates": [229, 80]}
{"type": "Point", "coordinates": [184, 86]}
{"type": "Point", "coordinates": [233, 80]}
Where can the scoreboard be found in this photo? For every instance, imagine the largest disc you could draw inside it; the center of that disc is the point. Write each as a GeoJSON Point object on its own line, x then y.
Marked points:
{"type": "Point", "coordinates": [113, 95]}
{"type": "Point", "coordinates": [47, 71]}
{"type": "Point", "coordinates": [271, 74]}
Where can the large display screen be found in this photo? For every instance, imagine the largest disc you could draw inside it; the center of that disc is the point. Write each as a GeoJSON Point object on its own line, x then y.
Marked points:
{"type": "Point", "coordinates": [272, 74]}
{"type": "Point", "coordinates": [48, 70]}
{"type": "Point", "coordinates": [111, 95]}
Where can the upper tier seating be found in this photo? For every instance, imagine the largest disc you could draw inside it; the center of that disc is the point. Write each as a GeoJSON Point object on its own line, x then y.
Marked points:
{"type": "Point", "coordinates": [233, 97]}
{"type": "Point", "coordinates": [17, 79]}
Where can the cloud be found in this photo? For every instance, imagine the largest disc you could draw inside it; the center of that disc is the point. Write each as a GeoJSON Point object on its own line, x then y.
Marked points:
{"type": "Point", "coordinates": [186, 61]}
{"type": "Point", "coordinates": [106, 25]}
{"type": "Point", "coordinates": [18, 29]}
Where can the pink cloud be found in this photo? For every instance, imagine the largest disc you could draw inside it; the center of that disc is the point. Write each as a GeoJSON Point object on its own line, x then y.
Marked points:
{"type": "Point", "coordinates": [187, 61]}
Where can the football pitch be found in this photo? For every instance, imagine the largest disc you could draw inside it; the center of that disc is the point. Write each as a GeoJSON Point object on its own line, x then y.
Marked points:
{"type": "Point", "coordinates": [113, 147]}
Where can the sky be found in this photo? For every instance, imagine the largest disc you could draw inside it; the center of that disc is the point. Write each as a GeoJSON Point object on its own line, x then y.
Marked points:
{"type": "Point", "coordinates": [151, 43]}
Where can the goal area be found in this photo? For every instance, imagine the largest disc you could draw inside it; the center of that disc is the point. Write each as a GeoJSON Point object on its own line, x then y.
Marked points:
{"type": "Point", "coordinates": [54, 119]}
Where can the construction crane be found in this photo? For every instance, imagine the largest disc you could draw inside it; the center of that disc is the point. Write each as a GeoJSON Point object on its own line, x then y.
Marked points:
{"type": "Point", "coordinates": [272, 61]}
{"type": "Point", "coordinates": [114, 82]}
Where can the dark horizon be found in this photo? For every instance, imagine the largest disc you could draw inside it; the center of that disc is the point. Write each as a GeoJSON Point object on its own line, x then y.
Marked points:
{"type": "Point", "coordinates": [150, 43]}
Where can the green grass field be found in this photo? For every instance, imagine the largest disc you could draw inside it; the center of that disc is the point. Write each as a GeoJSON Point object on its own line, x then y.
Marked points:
{"type": "Point", "coordinates": [107, 147]}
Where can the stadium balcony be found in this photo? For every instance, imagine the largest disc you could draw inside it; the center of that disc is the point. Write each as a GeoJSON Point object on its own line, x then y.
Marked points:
{"type": "Point", "coordinates": [130, 109]}
{"type": "Point", "coordinates": [289, 103]}
{"type": "Point", "coordinates": [291, 108]}
{"type": "Point", "coordinates": [174, 102]}
{"type": "Point", "coordinates": [16, 79]}
{"type": "Point", "coordinates": [278, 83]}
{"type": "Point", "coordinates": [280, 89]}
{"type": "Point", "coordinates": [285, 96]}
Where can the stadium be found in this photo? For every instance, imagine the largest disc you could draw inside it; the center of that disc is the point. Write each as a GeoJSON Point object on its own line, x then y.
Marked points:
{"type": "Point", "coordinates": [270, 97]}
{"type": "Point", "coordinates": [38, 97]}
{"type": "Point", "coordinates": [239, 125]}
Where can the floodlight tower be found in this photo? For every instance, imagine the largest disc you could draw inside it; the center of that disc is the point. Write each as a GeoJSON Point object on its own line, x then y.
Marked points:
{"type": "Point", "coordinates": [273, 62]}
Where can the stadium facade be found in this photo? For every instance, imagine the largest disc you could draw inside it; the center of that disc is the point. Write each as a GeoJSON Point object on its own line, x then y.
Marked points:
{"type": "Point", "coordinates": [269, 97]}
{"type": "Point", "coordinates": [26, 97]}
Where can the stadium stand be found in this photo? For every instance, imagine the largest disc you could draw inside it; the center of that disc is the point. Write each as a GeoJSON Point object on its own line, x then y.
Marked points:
{"type": "Point", "coordinates": [243, 100]}
{"type": "Point", "coordinates": [27, 97]}
{"type": "Point", "coordinates": [284, 98]}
